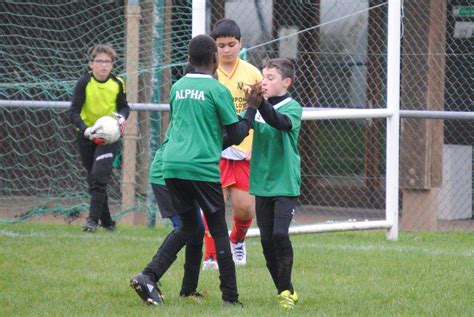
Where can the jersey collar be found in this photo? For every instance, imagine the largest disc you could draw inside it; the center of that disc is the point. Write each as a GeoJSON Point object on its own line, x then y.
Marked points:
{"type": "Point", "coordinates": [232, 72]}
{"type": "Point", "coordinates": [100, 81]}
{"type": "Point", "coordinates": [258, 116]}
{"type": "Point", "coordinates": [196, 75]}
{"type": "Point", "coordinates": [281, 103]}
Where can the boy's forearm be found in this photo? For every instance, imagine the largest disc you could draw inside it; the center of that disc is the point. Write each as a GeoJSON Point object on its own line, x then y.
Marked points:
{"type": "Point", "coordinates": [236, 133]}
{"type": "Point", "coordinates": [76, 120]}
{"type": "Point", "coordinates": [275, 119]}
{"type": "Point", "coordinates": [122, 106]}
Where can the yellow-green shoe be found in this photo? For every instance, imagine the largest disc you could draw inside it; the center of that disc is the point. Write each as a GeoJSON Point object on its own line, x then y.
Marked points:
{"type": "Point", "coordinates": [288, 300]}
{"type": "Point", "coordinates": [295, 296]}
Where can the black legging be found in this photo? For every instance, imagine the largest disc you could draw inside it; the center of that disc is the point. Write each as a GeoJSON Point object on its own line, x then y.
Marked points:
{"type": "Point", "coordinates": [184, 194]}
{"type": "Point", "coordinates": [274, 215]}
{"type": "Point", "coordinates": [97, 160]}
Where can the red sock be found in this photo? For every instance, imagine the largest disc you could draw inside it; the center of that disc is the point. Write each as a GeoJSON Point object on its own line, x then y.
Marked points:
{"type": "Point", "coordinates": [209, 246]}
{"type": "Point", "coordinates": [239, 231]}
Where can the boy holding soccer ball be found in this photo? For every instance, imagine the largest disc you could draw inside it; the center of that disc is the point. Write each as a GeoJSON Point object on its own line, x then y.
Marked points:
{"type": "Point", "coordinates": [98, 93]}
{"type": "Point", "coordinates": [275, 173]}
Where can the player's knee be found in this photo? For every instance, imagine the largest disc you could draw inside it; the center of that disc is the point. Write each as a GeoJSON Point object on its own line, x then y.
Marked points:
{"type": "Point", "coordinates": [244, 212]}
{"type": "Point", "coordinates": [100, 178]}
{"type": "Point", "coordinates": [186, 233]}
{"type": "Point", "coordinates": [98, 189]}
{"type": "Point", "coordinates": [281, 239]}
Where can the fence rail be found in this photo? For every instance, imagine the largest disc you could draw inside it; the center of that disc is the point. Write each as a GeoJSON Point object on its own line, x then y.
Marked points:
{"type": "Point", "coordinates": [308, 113]}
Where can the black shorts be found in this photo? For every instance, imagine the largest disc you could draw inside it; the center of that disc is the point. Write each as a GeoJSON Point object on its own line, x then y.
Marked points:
{"type": "Point", "coordinates": [163, 199]}
{"type": "Point", "coordinates": [186, 193]}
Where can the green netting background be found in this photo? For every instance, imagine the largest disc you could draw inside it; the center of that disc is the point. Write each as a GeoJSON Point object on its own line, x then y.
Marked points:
{"type": "Point", "coordinates": [339, 49]}
{"type": "Point", "coordinates": [44, 51]}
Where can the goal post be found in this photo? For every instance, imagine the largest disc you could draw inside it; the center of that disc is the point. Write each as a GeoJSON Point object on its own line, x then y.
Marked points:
{"type": "Point", "coordinates": [391, 113]}
{"type": "Point", "coordinates": [393, 121]}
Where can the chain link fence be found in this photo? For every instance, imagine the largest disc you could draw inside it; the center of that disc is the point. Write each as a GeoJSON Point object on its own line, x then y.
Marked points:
{"type": "Point", "coordinates": [436, 155]}
{"type": "Point", "coordinates": [339, 49]}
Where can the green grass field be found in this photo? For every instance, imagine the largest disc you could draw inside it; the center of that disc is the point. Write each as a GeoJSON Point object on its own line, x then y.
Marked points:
{"type": "Point", "coordinates": [57, 270]}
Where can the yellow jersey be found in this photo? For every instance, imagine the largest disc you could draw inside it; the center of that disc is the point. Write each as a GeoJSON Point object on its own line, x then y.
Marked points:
{"type": "Point", "coordinates": [242, 75]}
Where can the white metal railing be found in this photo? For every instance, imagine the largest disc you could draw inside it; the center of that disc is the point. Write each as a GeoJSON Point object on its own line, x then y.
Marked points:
{"type": "Point", "coordinates": [308, 113]}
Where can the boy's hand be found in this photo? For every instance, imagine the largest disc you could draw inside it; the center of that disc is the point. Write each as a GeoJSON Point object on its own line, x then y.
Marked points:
{"type": "Point", "coordinates": [94, 135]}
{"type": "Point", "coordinates": [89, 132]}
{"type": "Point", "coordinates": [98, 141]}
{"type": "Point", "coordinates": [254, 96]}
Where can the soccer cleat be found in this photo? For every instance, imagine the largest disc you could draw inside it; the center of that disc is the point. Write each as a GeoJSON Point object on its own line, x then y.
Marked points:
{"type": "Point", "coordinates": [287, 300]}
{"type": "Point", "coordinates": [210, 264]}
{"type": "Point", "coordinates": [108, 225]}
{"type": "Point", "coordinates": [234, 303]}
{"type": "Point", "coordinates": [146, 289]}
{"type": "Point", "coordinates": [112, 228]}
{"type": "Point", "coordinates": [194, 295]}
{"type": "Point", "coordinates": [90, 226]}
{"type": "Point", "coordinates": [295, 297]}
{"type": "Point", "coordinates": [239, 253]}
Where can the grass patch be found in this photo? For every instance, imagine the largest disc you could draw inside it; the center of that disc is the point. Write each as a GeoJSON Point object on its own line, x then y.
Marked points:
{"type": "Point", "coordinates": [57, 270]}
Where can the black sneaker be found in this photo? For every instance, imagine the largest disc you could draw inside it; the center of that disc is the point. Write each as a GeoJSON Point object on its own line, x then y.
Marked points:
{"type": "Point", "coordinates": [146, 289]}
{"type": "Point", "coordinates": [195, 295]}
{"type": "Point", "coordinates": [108, 225]}
{"type": "Point", "coordinates": [90, 226]}
{"type": "Point", "coordinates": [233, 303]}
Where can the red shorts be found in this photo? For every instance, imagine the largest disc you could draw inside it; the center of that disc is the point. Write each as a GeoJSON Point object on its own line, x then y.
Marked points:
{"type": "Point", "coordinates": [235, 174]}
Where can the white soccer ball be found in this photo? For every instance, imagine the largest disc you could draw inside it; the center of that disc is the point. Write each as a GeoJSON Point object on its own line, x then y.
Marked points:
{"type": "Point", "coordinates": [108, 129]}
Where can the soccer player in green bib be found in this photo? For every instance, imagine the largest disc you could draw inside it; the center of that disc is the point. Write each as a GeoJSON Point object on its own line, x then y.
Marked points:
{"type": "Point", "coordinates": [275, 173]}
{"type": "Point", "coordinates": [193, 249]}
{"type": "Point", "coordinates": [201, 110]}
